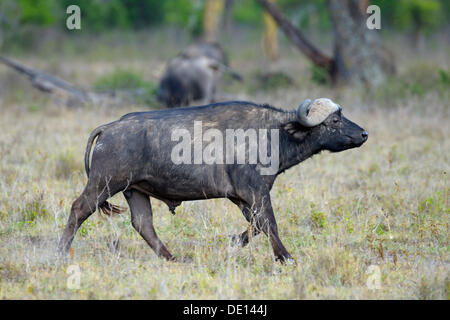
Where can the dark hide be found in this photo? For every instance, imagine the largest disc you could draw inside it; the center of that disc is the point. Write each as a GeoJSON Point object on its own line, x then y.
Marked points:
{"type": "Point", "coordinates": [133, 156]}
{"type": "Point", "coordinates": [194, 75]}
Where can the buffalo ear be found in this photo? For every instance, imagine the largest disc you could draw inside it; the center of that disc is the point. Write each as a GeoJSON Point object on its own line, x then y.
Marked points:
{"type": "Point", "coordinates": [291, 127]}
{"type": "Point", "coordinates": [296, 130]}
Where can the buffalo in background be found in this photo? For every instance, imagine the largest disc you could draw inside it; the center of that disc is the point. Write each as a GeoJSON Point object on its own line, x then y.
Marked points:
{"type": "Point", "coordinates": [194, 75]}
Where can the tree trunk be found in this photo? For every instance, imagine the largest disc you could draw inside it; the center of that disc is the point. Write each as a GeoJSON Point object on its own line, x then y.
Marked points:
{"type": "Point", "coordinates": [211, 17]}
{"type": "Point", "coordinates": [227, 17]}
{"type": "Point", "coordinates": [47, 82]}
{"type": "Point", "coordinates": [270, 39]}
{"type": "Point", "coordinates": [59, 88]}
{"type": "Point", "coordinates": [358, 55]}
{"type": "Point", "coordinates": [299, 40]}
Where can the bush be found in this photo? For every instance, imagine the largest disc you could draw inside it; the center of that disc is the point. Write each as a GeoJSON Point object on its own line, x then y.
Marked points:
{"type": "Point", "coordinates": [33, 209]}
{"type": "Point", "coordinates": [142, 13]}
{"type": "Point", "coordinates": [39, 12]}
{"type": "Point", "coordinates": [101, 15]}
{"type": "Point", "coordinates": [119, 80]}
{"type": "Point", "coordinates": [318, 218]}
{"type": "Point", "coordinates": [97, 15]}
{"type": "Point", "coordinates": [319, 75]}
{"type": "Point", "coordinates": [418, 14]}
{"type": "Point", "coordinates": [124, 80]}
{"type": "Point", "coordinates": [248, 12]}
{"type": "Point", "coordinates": [270, 81]}
{"type": "Point", "coordinates": [418, 80]}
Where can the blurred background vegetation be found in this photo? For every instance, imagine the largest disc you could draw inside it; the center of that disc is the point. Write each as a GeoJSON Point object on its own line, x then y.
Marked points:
{"type": "Point", "coordinates": [20, 20]}
{"type": "Point", "coordinates": [118, 38]}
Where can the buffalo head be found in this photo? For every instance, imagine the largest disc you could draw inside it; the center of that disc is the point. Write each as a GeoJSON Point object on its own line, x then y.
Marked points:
{"type": "Point", "coordinates": [324, 120]}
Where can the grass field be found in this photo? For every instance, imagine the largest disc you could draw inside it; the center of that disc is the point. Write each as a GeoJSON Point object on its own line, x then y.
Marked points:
{"type": "Point", "coordinates": [378, 212]}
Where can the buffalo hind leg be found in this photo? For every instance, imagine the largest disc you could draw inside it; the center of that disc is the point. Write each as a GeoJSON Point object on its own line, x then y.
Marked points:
{"type": "Point", "coordinates": [81, 209]}
{"type": "Point", "coordinates": [244, 238]}
{"type": "Point", "coordinates": [142, 221]}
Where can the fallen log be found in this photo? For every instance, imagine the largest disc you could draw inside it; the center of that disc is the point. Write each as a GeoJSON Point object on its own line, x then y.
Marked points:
{"type": "Point", "coordinates": [53, 85]}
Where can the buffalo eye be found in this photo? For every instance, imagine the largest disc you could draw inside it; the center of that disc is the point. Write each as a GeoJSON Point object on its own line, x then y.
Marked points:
{"type": "Point", "coordinates": [336, 120]}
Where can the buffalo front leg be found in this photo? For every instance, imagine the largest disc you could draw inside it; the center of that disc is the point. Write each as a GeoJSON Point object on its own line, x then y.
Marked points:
{"type": "Point", "coordinates": [244, 238]}
{"type": "Point", "coordinates": [264, 220]}
{"type": "Point", "coordinates": [142, 221]}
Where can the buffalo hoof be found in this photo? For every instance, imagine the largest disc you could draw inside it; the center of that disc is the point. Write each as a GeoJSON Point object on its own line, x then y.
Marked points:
{"type": "Point", "coordinates": [186, 260]}
{"type": "Point", "coordinates": [286, 259]}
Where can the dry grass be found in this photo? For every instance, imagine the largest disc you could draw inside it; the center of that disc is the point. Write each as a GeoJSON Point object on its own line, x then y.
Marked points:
{"type": "Point", "coordinates": [385, 204]}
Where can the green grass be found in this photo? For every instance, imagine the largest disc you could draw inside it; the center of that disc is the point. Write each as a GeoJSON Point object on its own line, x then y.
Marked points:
{"type": "Point", "coordinates": [384, 204]}
{"type": "Point", "coordinates": [127, 81]}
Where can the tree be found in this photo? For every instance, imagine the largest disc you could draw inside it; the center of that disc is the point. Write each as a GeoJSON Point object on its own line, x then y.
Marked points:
{"type": "Point", "coordinates": [211, 17]}
{"type": "Point", "coordinates": [357, 56]}
{"type": "Point", "coordinates": [9, 20]}
{"type": "Point", "coordinates": [418, 15]}
{"type": "Point", "coordinates": [270, 37]}
{"type": "Point", "coordinates": [227, 23]}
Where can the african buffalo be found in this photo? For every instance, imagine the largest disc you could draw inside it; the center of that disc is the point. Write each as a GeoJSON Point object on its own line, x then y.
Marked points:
{"type": "Point", "coordinates": [194, 75]}
{"type": "Point", "coordinates": [160, 154]}
{"type": "Point", "coordinates": [214, 51]}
